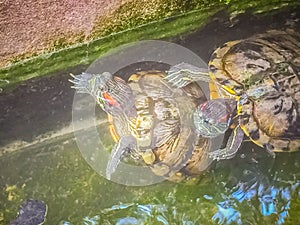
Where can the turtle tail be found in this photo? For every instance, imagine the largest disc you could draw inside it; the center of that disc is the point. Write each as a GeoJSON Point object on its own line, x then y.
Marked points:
{"type": "Point", "coordinates": [82, 82]}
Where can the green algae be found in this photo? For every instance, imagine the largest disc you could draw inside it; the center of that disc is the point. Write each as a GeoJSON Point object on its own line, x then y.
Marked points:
{"type": "Point", "coordinates": [171, 18]}
{"type": "Point", "coordinates": [56, 173]}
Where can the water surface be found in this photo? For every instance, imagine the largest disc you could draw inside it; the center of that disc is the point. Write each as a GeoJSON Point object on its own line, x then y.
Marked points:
{"type": "Point", "coordinates": [252, 188]}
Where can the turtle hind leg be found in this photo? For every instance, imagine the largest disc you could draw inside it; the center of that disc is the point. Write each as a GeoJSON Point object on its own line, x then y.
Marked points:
{"type": "Point", "coordinates": [125, 143]}
{"type": "Point", "coordinates": [232, 146]}
{"type": "Point", "coordinates": [183, 74]}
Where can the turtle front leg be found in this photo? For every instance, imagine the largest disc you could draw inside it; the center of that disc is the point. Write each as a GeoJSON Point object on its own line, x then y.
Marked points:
{"type": "Point", "coordinates": [125, 143]}
{"type": "Point", "coordinates": [183, 74]}
{"type": "Point", "coordinates": [233, 144]}
{"type": "Point", "coordinates": [270, 149]}
{"type": "Point", "coordinates": [82, 82]}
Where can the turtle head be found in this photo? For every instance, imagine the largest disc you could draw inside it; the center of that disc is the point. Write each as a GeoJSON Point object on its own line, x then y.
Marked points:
{"type": "Point", "coordinates": [89, 83]}
{"type": "Point", "coordinates": [113, 94]}
{"type": "Point", "coordinates": [213, 117]}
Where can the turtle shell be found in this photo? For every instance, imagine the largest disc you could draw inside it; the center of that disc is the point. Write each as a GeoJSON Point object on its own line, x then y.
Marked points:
{"type": "Point", "coordinates": [262, 73]}
{"type": "Point", "coordinates": [163, 125]}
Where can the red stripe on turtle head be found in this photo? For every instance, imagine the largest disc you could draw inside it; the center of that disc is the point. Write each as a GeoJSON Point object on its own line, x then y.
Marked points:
{"type": "Point", "coordinates": [203, 105]}
{"type": "Point", "coordinates": [110, 99]}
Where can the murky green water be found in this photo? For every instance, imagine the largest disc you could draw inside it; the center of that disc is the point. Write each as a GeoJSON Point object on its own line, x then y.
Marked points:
{"type": "Point", "coordinates": [252, 190]}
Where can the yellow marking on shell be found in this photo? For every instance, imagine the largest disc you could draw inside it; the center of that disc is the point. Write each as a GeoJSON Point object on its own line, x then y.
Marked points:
{"type": "Point", "coordinates": [239, 107]}
{"type": "Point", "coordinates": [228, 89]}
{"type": "Point", "coordinates": [217, 83]}
{"type": "Point", "coordinates": [132, 125]}
{"type": "Point", "coordinates": [110, 118]}
{"type": "Point", "coordinates": [220, 74]}
{"type": "Point", "coordinates": [134, 77]}
{"type": "Point", "coordinates": [175, 144]}
{"type": "Point", "coordinates": [177, 177]}
{"type": "Point", "coordinates": [271, 127]}
{"type": "Point", "coordinates": [239, 112]}
{"type": "Point", "coordinates": [137, 122]}
{"type": "Point", "coordinates": [214, 94]}
{"type": "Point", "coordinates": [251, 123]}
{"type": "Point", "coordinates": [179, 174]}
{"type": "Point", "coordinates": [148, 157]}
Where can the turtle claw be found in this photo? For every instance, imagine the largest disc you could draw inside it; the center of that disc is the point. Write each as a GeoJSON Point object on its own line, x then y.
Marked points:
{"type": "Point", "coordinates": [270, 149]}
{"type": "Point", "coordinates": [183, 74]}
{"type": "Point", "coordinates": [220, 154]}
{"type": "Point", "coordinates": [125, 143]}
{"type": "Point", "coordinates": [81, 82]}
{"type": "Point", "coordinates": [233, 144]}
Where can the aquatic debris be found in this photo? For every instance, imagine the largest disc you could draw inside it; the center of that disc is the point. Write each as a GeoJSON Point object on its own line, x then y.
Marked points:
{"type": "Point", "coordinates": [32, 212]}
{"type": "Point", "coordinates": [91, 221]}
{"type": "Point", "coordinates": [207, 197]}
{"type": "Point", "coordinates": [227, 214]}
{"type": "Point", "coordinates": [128, 221]}
{"type": "Point", "coordinates": [118, 207]}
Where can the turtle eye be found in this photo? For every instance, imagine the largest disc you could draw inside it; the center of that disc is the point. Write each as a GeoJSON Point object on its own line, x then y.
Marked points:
{"type": "Point", "coordinates": [100, 84]}
{"type": "Point", "coordinates": [205, 120]}
{"type": "Point", "coordinates": [102, 88]}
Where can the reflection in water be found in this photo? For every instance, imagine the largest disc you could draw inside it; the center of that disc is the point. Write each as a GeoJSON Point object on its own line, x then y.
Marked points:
{"type": "Point", "coordinates": [86, 221]}
{"type": "Point", "coordinates": [260, 180]}
{"type": "Point", "coordinates": [227, 214]}
{"type": "Point", "coordinates": [257, 191]}
{"type": "Point", "coordinates": [136, 214]}
{"type": "Point", "coordinates": [273, 196]}
{"type": "Point", "coordinates": [252, 188]}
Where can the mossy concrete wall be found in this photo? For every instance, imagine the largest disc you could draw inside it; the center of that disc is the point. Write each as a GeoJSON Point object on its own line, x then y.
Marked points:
{"type": "Point", "coordinates": [33, 27]}
{"type": "Point", "coordinates": [37, 38]}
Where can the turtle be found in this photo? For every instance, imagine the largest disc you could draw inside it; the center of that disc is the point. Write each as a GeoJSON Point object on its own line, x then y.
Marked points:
{"type": "Point", "coordinates": [255, 92]}
{"type": "Point", "coordinates": [150, 121]}
{"type": "Point", "coordinates": [32, 212]}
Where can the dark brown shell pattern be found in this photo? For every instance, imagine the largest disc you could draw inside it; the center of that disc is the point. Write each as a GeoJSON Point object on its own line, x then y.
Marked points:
{"type": "Point", "coordinates": [163, 125]}
{"type": "Point", "coordinates": [266, 69]}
